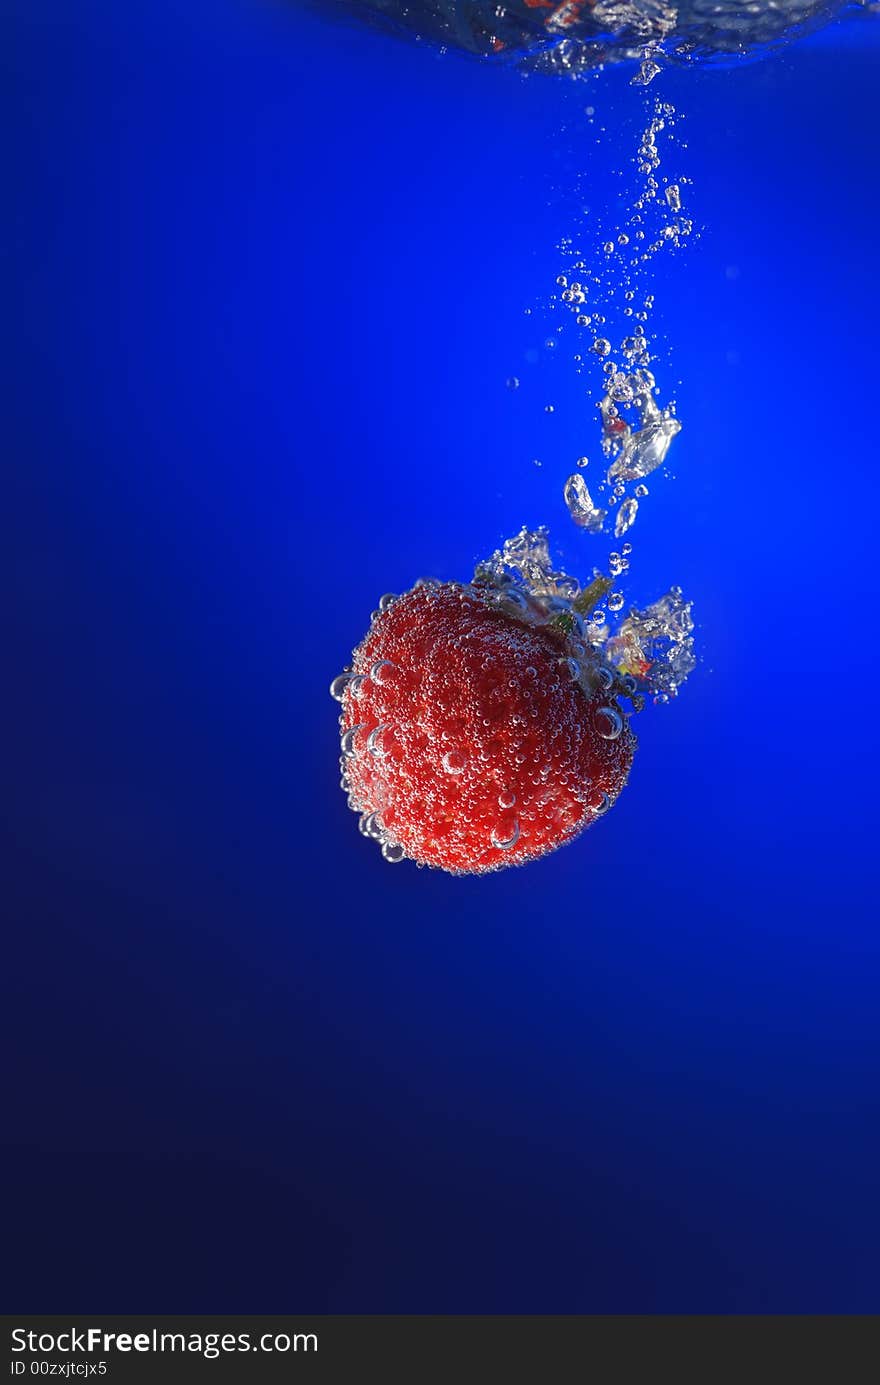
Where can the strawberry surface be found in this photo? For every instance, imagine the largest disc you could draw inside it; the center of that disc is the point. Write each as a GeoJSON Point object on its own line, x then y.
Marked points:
{"type": "Point", "coordinates": [471, 739]}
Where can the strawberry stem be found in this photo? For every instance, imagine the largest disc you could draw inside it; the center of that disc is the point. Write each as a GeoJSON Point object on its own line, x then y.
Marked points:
{"type": "Point", "coordinates": [592, 595]}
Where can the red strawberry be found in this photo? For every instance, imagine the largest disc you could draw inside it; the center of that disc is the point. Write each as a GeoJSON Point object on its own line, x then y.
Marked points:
{"type": "Point", "coordinates": [471, 737]}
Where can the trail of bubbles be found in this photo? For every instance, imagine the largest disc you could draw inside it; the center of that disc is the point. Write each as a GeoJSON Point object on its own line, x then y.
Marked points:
{"type": "Point", "coordinates": [608, 292]}
{"type": "Point", "coordinates": [608, 295]}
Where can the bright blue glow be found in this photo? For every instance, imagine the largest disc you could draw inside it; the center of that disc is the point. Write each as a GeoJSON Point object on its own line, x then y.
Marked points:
{"type": "Point", "coordinates": [267, 280]}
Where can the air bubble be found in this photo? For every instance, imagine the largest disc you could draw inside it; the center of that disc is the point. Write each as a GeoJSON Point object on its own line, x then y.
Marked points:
{"type": "Point", "coordinates": [648, 70]}
{"type": "Point", "coordinates": [349, 738]}
{"type": "Point", "coordinates": [620, 387]}
{"type": "Point", "coordinates": [382, 672]}
{"type": "Point", "coordinates": [387, 601]}
{"type": "Point", "coordinates": [626, 516]}
{"type": "Point", "coordinates": [339, 685]}
{"type": "Point", "coordinates": [581, 506]}
{"type": "Point", "coordinates": [645, 449]}
{"type": "Point", "coordinates": [556, 605]}
{"type": "Point", "coordinates": [505, 834]}
{"type": "Point", "coordinates": [371, 826]}
{"type": "Point", "coordinates": [454, 762]}
{"type": "Point", "coordinates": [375, 740]}
{"type": "Point", "coordinates": [392, 852]}
{"type": "Point", "coordinates": [506, 799]}
{"type": "Point", "coordinates": [609, 723]}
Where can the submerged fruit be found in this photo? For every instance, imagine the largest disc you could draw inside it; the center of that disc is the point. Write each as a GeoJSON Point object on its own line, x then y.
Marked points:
{"type": "Point", "coordinates": [478, 729]}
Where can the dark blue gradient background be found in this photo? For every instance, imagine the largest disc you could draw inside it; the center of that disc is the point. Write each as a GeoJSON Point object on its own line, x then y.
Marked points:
{"type": "Point", "coordinates": [265, 279]}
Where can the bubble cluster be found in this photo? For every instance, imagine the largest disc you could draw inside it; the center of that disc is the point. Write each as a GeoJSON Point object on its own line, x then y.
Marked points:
{"type": "Point", "coordinates": [611, 302]}
{"type": "Point", "coordinates": [656, 645]}
{"type": "Point", "coordinates": [602, 655]}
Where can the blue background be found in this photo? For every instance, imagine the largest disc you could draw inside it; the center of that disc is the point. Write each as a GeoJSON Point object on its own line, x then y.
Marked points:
{"type": "Point", "coordinates": [265, 282]}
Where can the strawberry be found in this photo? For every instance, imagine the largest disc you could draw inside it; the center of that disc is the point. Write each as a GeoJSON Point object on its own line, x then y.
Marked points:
{"type": "Point", "coordinates": [477, 731]}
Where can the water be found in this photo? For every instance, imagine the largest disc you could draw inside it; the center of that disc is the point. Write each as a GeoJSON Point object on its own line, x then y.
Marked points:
{"type": "Point", "coordinates": [580, 36]}
{"type": "Point", "coordinates": [268, 280]}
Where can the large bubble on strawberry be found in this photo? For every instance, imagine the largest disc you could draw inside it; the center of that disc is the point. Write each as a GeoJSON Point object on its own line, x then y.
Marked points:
{"type": "Point", "coordinates": [479, 728]}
